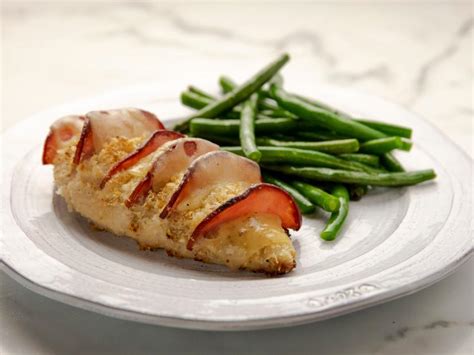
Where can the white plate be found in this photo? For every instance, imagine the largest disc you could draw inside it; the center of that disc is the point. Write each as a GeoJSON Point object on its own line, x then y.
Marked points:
{"type": "Point", "coordinates": [395, 241]}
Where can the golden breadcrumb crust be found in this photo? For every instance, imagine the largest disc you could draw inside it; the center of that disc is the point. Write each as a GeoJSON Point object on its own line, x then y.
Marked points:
{"type": "Point", "coordinates": [255, 242]}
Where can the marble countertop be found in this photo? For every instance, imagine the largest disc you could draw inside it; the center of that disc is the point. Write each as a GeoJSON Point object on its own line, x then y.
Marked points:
{"type": "Point", "coordinates": [418, 54]}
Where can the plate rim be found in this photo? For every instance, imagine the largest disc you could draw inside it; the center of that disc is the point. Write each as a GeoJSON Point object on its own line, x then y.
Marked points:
{"type": "Point", "coordinates": [231, 325]}
{"type": "Point", "coordinates": [362, 302]}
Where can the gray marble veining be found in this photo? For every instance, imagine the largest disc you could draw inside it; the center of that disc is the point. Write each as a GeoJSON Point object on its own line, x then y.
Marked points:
{"type": "Point", "coordinates": [418, 54]}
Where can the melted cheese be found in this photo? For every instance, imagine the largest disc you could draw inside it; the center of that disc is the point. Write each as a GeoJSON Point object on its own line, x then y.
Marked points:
{"type": "Point", "coordinates": [249, 240]}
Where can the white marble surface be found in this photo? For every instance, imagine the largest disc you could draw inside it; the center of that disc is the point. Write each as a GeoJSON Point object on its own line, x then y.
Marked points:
{"type": "Point", "coordinates": [418, 54]}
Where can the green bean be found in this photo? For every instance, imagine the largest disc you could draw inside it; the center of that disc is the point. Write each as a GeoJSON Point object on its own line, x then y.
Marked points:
{"type": "Point", "coordinates": [193, 100]}
{"type": "Point", "coordinates": [388, 128]}
{"type": "Point", "coordinates": [265, 103]}
{"type": "Point", "coordinates": [326, 119]}
{"type": "Point", "coordinates": [236, 96]}
{"type": "Point", "coordinates": [226, 84]}
{"type": "Point", "coordinates": [320, 135]}
{"type": "Point", "coordinates": [336, 221]}
{"type": "Point", "coordinates": [367, 159]}
{"type": "Point", "coordinates": [303, 203]}
{"type": "Point", "coordinates": [219, 139]}
{"type": "Point", "coordinates": [317, 196]}
{"type": "Point", "coordinates": [357, 191]}
{"type": "Point", "coordinates": [273, 112]}
{"type": "Point", "coordinates": [332, 147]}
{"type": "Point", "coordinates": [207, 98]}
{"type": "Point", "coordinates": [381, 145]}
{"type": "Point", "coordinates": [279, 112]}
{"type": "Point", "coordinates": [247, 129]}
{"type": "Point", "coordinates": [204, 126]}
{"type": "Point", "coordinates": [303, 157]}
{"type": "Point", "coordinates": [388, 160]}
{"type": "Point", "coordinates": [406, 144]}
{"type": "Point", "coordinates": [196, 101]}
{"type": "Point", "coordinates": [200, 92]}
{"type": "Point", "coordinates": [356, 177]}
{"type": "Point", "coordinates": [268, 104]}
{"type": "Point", "coordinates": [322, 105]}
{"type": "Point", "coordinates": [283, 137]}
{"type": "Point", "coordinates": [277, 80]}
{"type": "Point", "coordinates": [391, 163]}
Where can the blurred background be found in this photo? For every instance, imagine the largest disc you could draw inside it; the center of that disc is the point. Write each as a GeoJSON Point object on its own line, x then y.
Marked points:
{"type": "Point", "coordinates": [418, 54]}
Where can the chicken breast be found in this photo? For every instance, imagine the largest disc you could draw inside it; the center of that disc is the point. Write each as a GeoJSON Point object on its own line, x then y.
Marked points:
{"type": "Point", "coordinates": [168, 191]}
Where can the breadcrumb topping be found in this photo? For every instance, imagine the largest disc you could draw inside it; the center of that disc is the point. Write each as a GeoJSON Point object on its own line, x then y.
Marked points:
{"type": "Point", "coordinates": [256, 242]}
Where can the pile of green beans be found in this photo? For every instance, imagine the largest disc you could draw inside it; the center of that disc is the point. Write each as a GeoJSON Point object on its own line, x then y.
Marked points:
{"type": "Point", "coordinates": [236, 96]}
{"type": "Point", "coordinates": [322, 156]}
{"type": "Point", "coordinates": [303, 157]}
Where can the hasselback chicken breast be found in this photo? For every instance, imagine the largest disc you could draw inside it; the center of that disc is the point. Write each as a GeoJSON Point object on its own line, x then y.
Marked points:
{"type": "Point", "coordinates": [127, 174]}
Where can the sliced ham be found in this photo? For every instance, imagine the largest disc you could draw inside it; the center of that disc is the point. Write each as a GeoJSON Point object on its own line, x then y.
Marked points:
{"type": "Point", "coordinates": [213, 168]}
{"type": "Point", "coordinates": [261, 198]}
{"type": "Point", "coordinates": [101, 126]}
{"type": "Point", "coordinates": [60, 134]}
{"type": "Point", "coordinates": [175, 159]}
{"type": "Point", "coordinates": [156, 140]}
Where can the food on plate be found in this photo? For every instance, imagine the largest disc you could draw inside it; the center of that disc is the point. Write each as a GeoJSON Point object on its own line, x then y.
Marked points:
{"type": "Point", "coordinates": [178, 190]}
{"type": "Point", "coordinates": [337, 218]}
{"type": "Point", "coordinates": [239, 94]}
{"type": "Point", "coordinates": [60, 135]}
{"type": "Point", "coordinates": [176, 158]}
{"type": "Point", "coordinates": [319, 154]}
{"type": "Point", "coordinates": [127, 174]}
{"type": "Point", "coordinates": [156, 140]}
{"type": "Point", "coordinates": [302, 201]}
